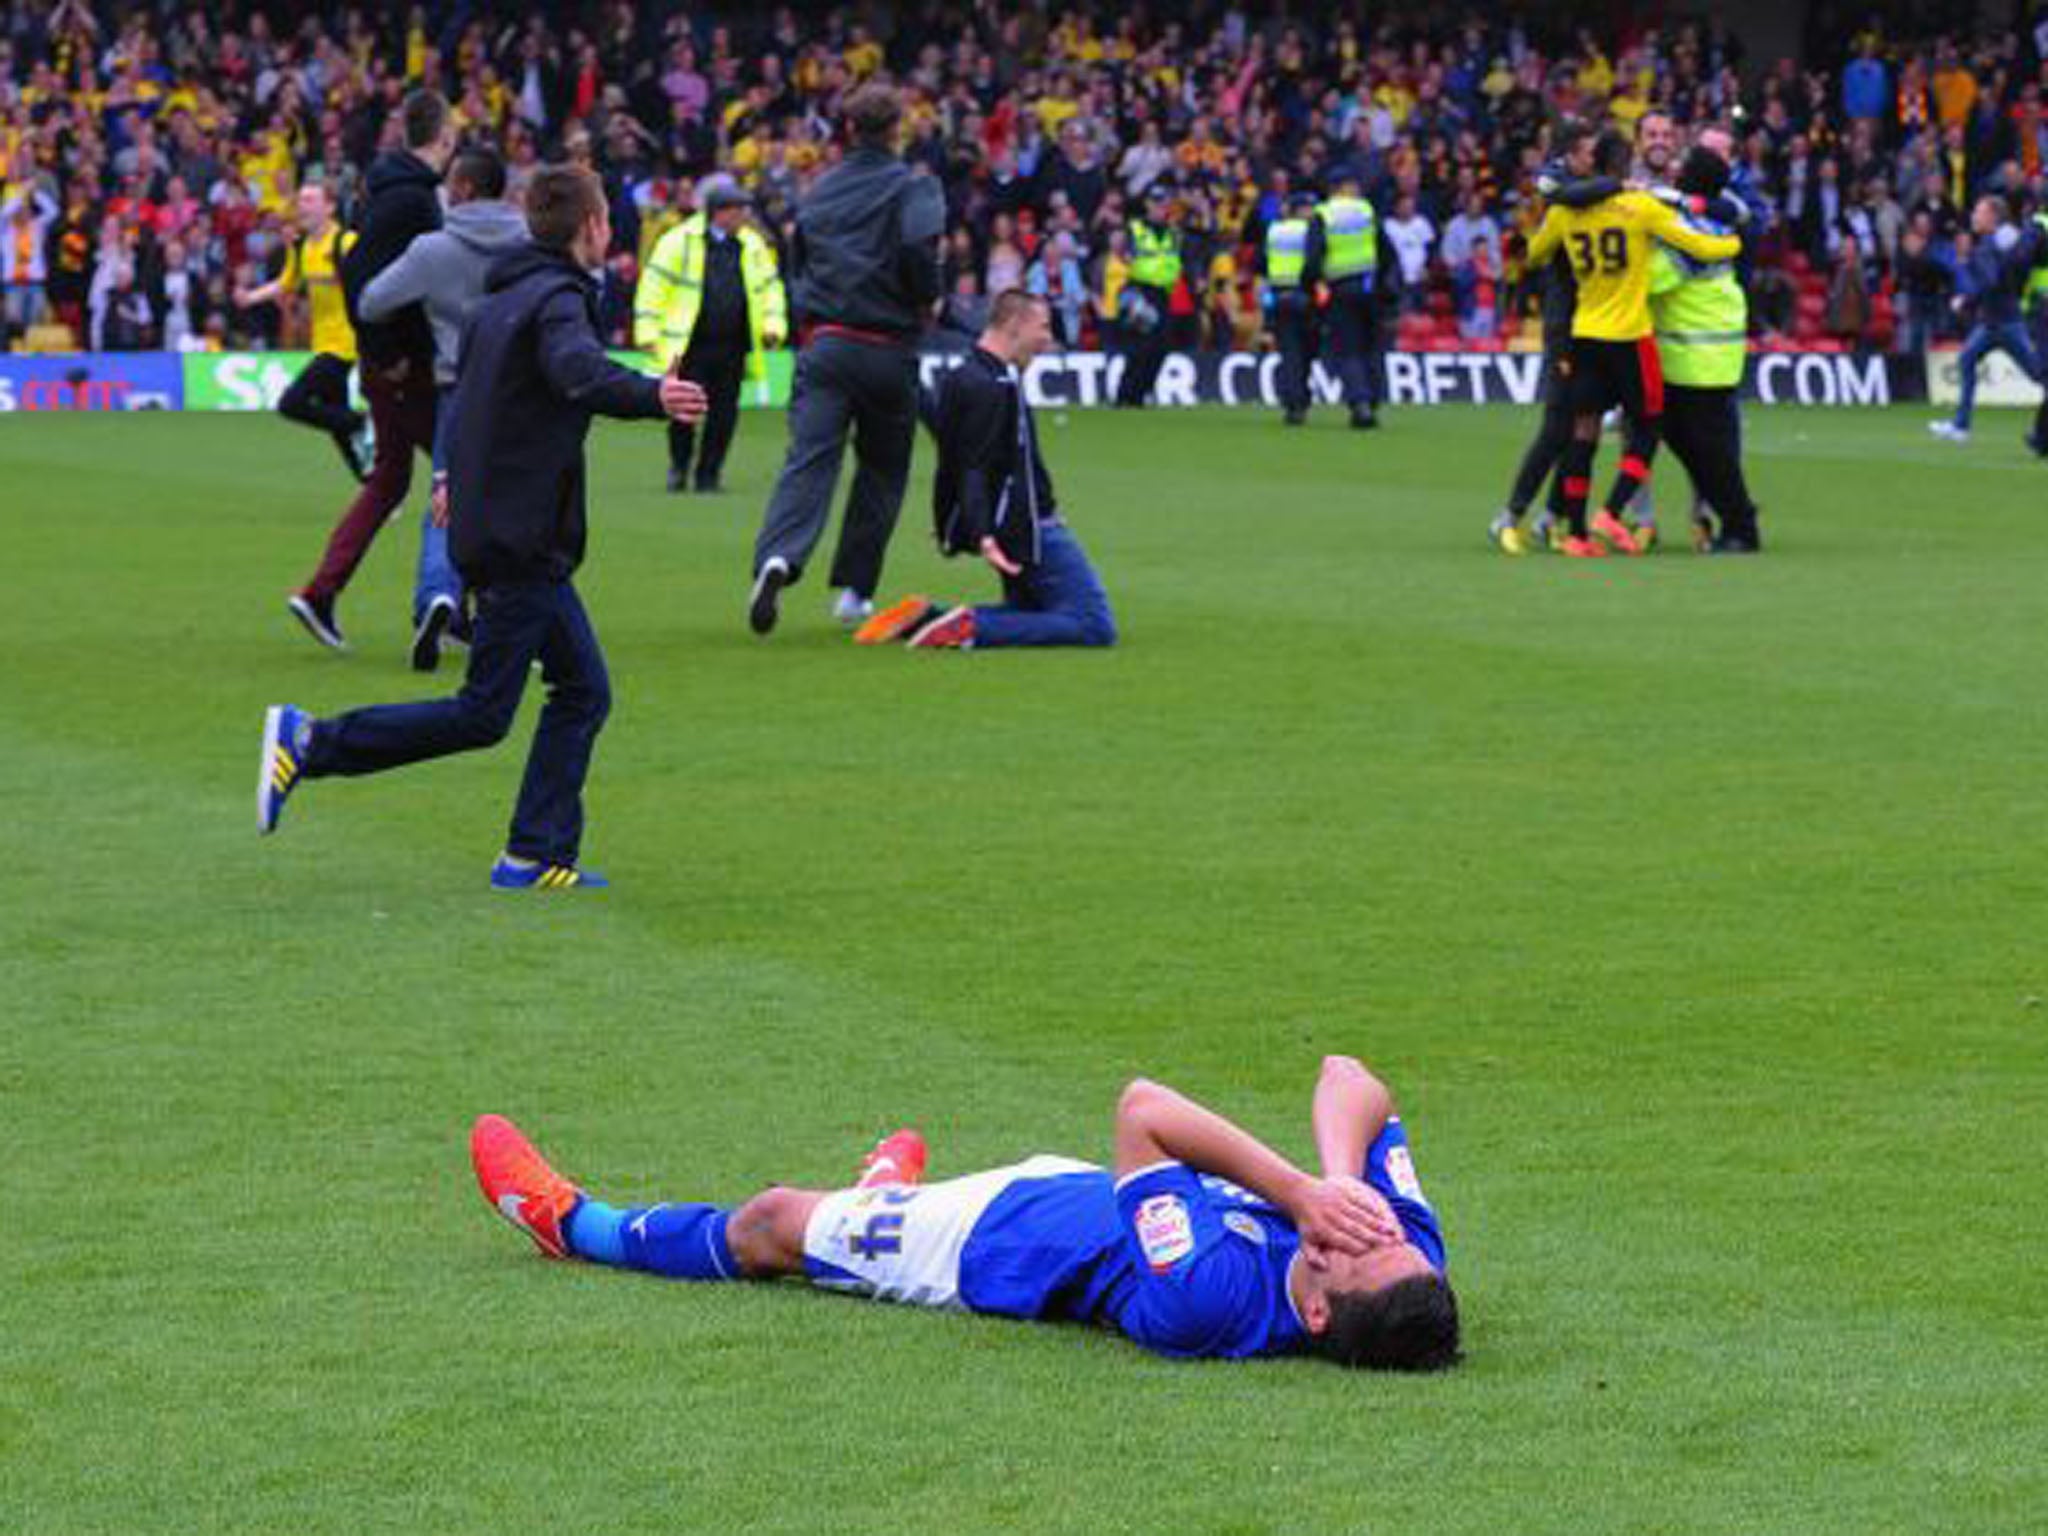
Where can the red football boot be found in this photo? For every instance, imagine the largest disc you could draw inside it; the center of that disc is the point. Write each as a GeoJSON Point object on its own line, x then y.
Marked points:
{"type": "Point", "coordinates": [898, 1158]}
{"type": "Point", "coordinates": [518, 1181]}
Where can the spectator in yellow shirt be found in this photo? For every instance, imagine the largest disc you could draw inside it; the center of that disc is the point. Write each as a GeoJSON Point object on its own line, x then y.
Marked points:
{"type": "Point", "coordinates": [863, 55]}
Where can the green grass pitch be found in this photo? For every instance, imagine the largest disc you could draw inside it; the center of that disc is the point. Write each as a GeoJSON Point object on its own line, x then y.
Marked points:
{"type": "Point", "coordinates": [1694, 909]}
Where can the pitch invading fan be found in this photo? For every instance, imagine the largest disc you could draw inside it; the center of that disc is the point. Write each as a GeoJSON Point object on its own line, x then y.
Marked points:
{"type": "Point", "coordinates": [1203, 1242]}
{"type": "Point", "coordinates": [534, 373]}
{"type": "Point", "coordinates": [866, 274]}
{"type": "Point", "coordinates": [992, 496]}
{"type": "Point", "coordinates": [396, 366]}
{"type": "Point", "coordinates": [1613, 353]}
{"type": "Point", "coordinates": [2000, 264]}
{"type": "Point", "coordinates": [446, 269]}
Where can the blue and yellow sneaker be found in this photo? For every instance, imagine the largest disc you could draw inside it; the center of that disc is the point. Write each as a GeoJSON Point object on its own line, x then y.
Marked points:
{"type": "Point", "coordinates": [286, 728]}
{"type": "Point", "coordinates": [510, 874]}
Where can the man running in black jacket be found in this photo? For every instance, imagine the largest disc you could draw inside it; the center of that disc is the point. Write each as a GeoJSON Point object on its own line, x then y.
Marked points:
{"type": "Point", "coordinates": [534, 372]}
{"type": "Point", "coordinates": [395, 358]}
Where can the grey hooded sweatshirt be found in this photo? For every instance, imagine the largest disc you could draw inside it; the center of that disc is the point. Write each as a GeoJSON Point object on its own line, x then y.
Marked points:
{"type": "Point", "coordinates": [445, 269]}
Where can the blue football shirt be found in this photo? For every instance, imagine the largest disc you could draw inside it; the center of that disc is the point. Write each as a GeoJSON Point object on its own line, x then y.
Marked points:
{"type": "Point", "coordinates": [1181, 1262]}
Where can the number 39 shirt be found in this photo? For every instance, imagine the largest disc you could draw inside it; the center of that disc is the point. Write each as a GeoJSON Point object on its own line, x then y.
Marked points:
{"type": "Point", "coordinates": [1608, 246]}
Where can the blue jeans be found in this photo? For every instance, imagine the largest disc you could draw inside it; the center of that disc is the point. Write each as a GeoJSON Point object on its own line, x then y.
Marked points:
{"type": "Point", "coordinates": [437, 576]}
{"type": "Point", "coordinates": [1058, 601]}
{"type": "Point", "coordinates": [2011, 336]}
{"type": "Point", "coordinates": [516, 622]}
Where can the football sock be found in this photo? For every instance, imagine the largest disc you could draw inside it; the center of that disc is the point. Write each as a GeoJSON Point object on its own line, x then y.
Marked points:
{"type": "Point", "coordinates": [1574, 481]}
{"type": "Point", "coordinates": [682, 1242]}
{"type": "Point", "coordinates": [597, 1232]}
{"type": "Point", "coordinates": [1537, 463]}
{"type": "Point", "coordinates": [1632, 474]}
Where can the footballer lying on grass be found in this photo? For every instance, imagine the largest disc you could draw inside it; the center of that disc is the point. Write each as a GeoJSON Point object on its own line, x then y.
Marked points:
{"type": "Point", "coordinates": [1205, 1241]}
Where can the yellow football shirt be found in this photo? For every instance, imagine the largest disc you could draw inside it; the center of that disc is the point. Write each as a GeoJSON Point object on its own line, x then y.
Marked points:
{"type": "Point", "coordinates": [1609, 248]}
{"type": "Point", "coordinates": [314, 269]}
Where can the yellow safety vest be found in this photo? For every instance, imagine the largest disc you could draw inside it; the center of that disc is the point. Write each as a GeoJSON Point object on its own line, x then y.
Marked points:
{"type": "Point", "coordinates": [1155, 255]}
{"type": "Point", "coordinates": [1351, 244]}
{"type": "Point", "coordinates": [671, 293]}
{"type": "Point", "coordinates": [1286, 252]}
{"type": "Point", "coordinates": [2037, 280]}
{"type": "Point", "coordinates": [1702, 320]}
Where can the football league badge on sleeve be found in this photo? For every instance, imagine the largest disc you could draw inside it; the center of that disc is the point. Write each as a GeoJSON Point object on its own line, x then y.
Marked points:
{"type": "Point", "coordinates": [1165, 1231]}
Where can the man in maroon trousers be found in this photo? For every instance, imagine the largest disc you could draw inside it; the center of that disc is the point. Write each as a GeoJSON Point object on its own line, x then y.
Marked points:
{"type": "Point", "coordinates": [396, 356]}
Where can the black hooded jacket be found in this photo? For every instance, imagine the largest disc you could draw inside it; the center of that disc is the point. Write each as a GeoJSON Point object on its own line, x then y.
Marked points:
{"type": "Point", "coordinates": [991, 479]}
{"type": "Point", "coordinates": [402, 203]}
{"type": "Point", "coordinates": [534, 372]}
{"type": "Point", "coordinates": [866, 253]}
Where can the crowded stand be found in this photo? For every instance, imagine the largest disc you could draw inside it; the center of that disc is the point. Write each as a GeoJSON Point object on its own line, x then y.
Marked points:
{"type": "Point", "coordinates": [151, 156]}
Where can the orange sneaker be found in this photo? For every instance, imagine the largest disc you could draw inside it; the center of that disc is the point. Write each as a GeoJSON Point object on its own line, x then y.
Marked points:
{"type": "Point", "coordinates": [517, 1180]}
{"type": "Point", "coordinates": [1582, 549]}
{"type": "Point", "coordinates": [1616, 533]}
{"type": "Point", "coordinates": [898, 1158]}
{"type": "Point", "coordinates": [895, 621]}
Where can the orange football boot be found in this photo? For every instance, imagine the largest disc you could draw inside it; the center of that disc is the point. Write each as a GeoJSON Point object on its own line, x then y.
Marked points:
{"type": "Point", "coordinates": [519, 1182]}
{"type": "Point", "coordinates": [1616, 533]}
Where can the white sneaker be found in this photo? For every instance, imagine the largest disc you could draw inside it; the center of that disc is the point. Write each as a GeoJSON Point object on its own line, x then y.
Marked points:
{"type": "Point", "coordinates": [1949, 431]}
{"type": "Point", "coordinates": [851, 609]}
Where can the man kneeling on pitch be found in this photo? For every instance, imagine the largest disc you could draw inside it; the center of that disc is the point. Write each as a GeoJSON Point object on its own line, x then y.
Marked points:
{"type": "Point", "coordinates": [992, 496]}
{"type": "Point", "coordinates": [1205, 1242]}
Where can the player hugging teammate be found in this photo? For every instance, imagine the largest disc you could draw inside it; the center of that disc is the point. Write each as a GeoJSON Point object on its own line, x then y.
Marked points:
{"type": "Point", "coordinates": [1607, 235]}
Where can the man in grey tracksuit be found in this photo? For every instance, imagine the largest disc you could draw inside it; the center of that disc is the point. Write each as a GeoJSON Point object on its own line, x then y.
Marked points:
{"type": "Point", "coordinates": [865, 265]}
{"type": "Point", "coordinates": [445, 270]}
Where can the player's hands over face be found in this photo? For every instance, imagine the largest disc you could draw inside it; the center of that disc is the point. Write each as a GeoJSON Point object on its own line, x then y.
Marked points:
{"type": "Point", "coordinates": [1343, 1215]}
{"type": "Point", "coordinates": [992, 552]}
{"type": "Point", "coordinates": [683, 400]}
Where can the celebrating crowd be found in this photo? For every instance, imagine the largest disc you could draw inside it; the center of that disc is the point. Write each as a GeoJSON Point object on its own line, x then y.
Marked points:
{"type": "Point", "coordinates": [150, 157]}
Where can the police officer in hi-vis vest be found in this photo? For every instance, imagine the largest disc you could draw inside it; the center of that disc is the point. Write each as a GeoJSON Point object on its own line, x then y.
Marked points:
{"type": "Point", "coordinates": [1290, 305]}
{"type": "Point", "coordinates": [1344, 256]}
{"type": "Point", "coordinates": [711, 297]}
{"type": "Point", "coordinates": [1144, 309]}
{"type": "Point", "coordinates": [1702, 323]}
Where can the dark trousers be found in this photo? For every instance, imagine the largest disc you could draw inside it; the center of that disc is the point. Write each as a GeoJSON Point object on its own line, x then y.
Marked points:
{"type": "Point", "coordinates": [1147, 353]}
{"type": "Point", "coordinates": [318, 397]}
{"type": "Point", "coordinates": [1704, 428]}
{"type": "Point", "coordinates": [516, 622]}
{"type": "Point", "coordinates": [402, 410]}
{"type": "Point", "coordinates": [870, 389]}
{"type": "Point", "coordinates": [1294, 328]}
{"type": "Point", "coordinates": [1552, 438]}
{"type": "Point", "coordinates": [1058, 601]}
{"type": "Point", "coordinates": [1354, 342]}
{"type": "Point", "coordinates": [2008, 336]}
{"type": "Point", "coordinates": [721, 371]}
